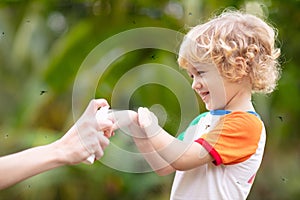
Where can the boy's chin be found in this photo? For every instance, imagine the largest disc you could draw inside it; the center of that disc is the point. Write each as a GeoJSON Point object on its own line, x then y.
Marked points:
{"type": "Point", "coordinates": [214, 107]}
{"type": "Point", "coordinates": [209, 108]}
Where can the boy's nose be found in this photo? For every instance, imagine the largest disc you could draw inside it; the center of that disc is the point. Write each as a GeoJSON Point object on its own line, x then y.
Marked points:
{"type": "Point", "coordinates": [196, 84]}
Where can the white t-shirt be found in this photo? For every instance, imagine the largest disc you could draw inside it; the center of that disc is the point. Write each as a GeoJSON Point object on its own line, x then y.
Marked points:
{"type": "Point", "coordinates": [236, 141]}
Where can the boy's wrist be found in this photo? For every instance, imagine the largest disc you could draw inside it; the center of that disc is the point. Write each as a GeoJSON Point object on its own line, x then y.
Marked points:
{"type": "Point", "coordinates": [153, 130]}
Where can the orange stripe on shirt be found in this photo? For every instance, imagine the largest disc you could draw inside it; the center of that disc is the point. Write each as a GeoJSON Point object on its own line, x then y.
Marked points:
{"type": "Point", "coordinates": [235, 137]}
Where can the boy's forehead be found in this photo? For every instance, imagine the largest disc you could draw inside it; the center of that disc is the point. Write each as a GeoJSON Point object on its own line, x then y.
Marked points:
{"type": "Point", "coordinates": [200, 66]}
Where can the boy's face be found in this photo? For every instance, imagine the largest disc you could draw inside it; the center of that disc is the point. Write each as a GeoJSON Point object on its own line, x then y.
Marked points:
{"type": "Point", "coordinates": [215, 91]}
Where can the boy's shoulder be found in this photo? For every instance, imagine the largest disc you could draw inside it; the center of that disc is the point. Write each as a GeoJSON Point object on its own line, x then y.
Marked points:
{"type": "Point", "coordinates": [213, 117]}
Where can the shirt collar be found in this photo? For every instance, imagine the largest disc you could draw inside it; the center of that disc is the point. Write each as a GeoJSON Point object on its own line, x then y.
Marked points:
{"type": "Point", "coordinates": [224, 112]}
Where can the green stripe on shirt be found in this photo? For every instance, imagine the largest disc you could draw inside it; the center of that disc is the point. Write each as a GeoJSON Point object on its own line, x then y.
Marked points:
{"type": "Point", "coordinates": [194, 122]}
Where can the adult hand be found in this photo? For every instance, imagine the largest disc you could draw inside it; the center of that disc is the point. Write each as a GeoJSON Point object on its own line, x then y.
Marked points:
{"type": "Point", "coordinates": [85, 137]}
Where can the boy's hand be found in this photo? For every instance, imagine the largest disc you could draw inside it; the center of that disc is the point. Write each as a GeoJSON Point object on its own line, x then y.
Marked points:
{"type": "Point", "coordinates": [148, 122]}
{"type": "Point", "coordinates": [127, 122]}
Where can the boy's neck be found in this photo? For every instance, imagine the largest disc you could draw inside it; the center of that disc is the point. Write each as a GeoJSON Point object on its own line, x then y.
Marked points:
{"type": "Point", "coordinates": [241, 101]}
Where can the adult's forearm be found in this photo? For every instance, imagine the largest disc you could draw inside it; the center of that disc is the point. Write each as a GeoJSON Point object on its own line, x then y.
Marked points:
{"type": "Point", "coordinates": [19, 166]}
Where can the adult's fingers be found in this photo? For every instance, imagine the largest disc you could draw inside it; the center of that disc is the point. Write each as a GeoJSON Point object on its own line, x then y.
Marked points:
{"type": "Point", "coordinates": [108, 133]}
{"type": "Point", "coordinates": [95, 104]}
{"type": "Point", "coordinates": [103, 143]}
{"type": "Point", "coordinates": [105, 124]}
{"type": "Point", "coordinates": [99, 153]}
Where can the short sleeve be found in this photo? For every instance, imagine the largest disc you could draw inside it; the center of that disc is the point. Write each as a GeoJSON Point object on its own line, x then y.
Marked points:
{"type": "Point", "coordinates": [234, 139]}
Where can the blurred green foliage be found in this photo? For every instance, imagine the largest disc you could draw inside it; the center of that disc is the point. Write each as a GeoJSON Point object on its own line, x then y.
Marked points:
{"type": "Point", "coordinates": [42, 46]}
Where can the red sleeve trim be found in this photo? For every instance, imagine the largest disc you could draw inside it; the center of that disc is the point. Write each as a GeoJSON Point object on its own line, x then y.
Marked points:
{"type": "Point", "coordinates": [211, 151]}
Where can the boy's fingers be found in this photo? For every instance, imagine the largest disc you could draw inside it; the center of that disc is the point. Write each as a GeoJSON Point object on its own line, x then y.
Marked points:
{"type": "Point", "coordinates": [144, 117]}
{"type": "Point", "coordinates": [148, 121]}
{"type": "Point", "coordinates": [122, 118]}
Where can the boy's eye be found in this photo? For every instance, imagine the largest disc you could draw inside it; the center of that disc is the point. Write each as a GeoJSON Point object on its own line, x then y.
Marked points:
{"type": "Point", "coordinates": [200, 73]}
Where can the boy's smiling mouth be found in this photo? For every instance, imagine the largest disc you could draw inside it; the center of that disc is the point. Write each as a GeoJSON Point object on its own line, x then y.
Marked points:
{"type": "Point", "coordinates": [203, 95]}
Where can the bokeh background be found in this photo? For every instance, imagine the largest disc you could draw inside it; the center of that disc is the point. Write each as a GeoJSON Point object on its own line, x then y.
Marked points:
{"type": "Point", "coordinates": [42, 46]}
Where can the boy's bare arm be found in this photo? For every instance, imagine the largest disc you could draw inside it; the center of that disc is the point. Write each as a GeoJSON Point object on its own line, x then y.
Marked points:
{"type": "Point", "coordinates": [129, 119]}
{"type": "Point", "coordinates": [180, 155]}
{"type": "Point", "coordinates": [157, 163]}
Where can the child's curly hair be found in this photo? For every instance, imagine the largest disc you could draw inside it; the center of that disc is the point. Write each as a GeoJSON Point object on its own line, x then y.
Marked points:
{"type": "Point", "coordinates": [241, 45]}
